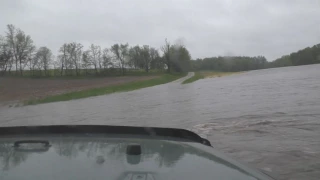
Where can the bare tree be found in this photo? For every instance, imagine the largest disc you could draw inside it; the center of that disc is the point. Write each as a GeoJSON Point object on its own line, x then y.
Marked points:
{"type": "Point", "coordinates": [106, 58]}
{"type": "Point", "coordinates": [44, 58]}
{"type": "Point", "coordinates": [56, 65]}
{"type": "Point", "coordinates": [10, 35]}
{"type": "Point", "coordinates": [153, 53]}
{"type": "Point", "coordinates": [65, 58]}
{"type": "Point", "coordinates": [22, 46]}
{"type": "Point", "coordinates": [166, 54]}
{"type": "Point", "coordinates": [135, 59]}
{"type": "Point", "coordinates": [70, 57]}
{"type": "Point", "coordinates": [62, 58]}
{"type": "Point", "coordinates": [85, 61]}
{"type": "Point", "coordinates": [156, 60]}
{"type": "Point", "coordinates": [148, 54]}
{"type": "Point", "coordinates": [145, 55]}
{"type": "Point", "coordinates": [34, 64]}
{"type": "Point", "coordinates": [121, 53]}
{"type": "Point", "coordinates": [142, 57]}
{"type": "Point", "coordinates": [75, 51]}
{"type": "Point", "coordinates": [95, 57]}
{"type": "Point", "coordinates": [5, 56]}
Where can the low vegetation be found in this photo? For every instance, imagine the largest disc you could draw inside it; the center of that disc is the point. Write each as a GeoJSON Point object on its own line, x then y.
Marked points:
{"type": "Point", "coordinates": [107, 90]}
{"type": "Point", "coordinates": [211, 74]}
{"type": "Point", "coordinates": [196, 76]}
{"type": "Point", "coordinates": [206, 74]}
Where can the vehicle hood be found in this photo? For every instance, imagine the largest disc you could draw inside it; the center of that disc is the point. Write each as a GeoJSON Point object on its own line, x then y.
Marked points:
{"type": "Point", "coordinates": [105, 157]}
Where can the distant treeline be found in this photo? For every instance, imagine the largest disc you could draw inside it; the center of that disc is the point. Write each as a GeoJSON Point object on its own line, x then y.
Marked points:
{"type": "Point", "coordinates": [309, 55]}
{"type": "Point", "coordinates": [19, 56]}
{"type": "Point", "coordinates": [233, 64]}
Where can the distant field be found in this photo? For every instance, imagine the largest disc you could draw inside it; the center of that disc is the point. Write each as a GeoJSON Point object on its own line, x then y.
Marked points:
{"type": "Point", "coordinates": [207, 74]}
{"type": "Point", "coordinates": [15, 89]}
{"type": "Point", "coordinates": [147, 82]}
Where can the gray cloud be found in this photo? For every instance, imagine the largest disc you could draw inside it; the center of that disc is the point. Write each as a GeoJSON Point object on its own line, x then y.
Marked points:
{"type": "Point", "coordinates": [208, 28]}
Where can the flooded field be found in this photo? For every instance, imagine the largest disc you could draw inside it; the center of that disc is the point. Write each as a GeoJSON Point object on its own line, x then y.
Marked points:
{"type": "Point", "coordinates": [269, 118]}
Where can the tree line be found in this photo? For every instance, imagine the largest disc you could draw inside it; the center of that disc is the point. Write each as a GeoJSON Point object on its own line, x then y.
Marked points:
{"type": "Point", "coordinates": [19, 55]}
{"type": "Point", "coordinates": [230, 63]}
{"type": "Point", "coordinates": [309, 55]}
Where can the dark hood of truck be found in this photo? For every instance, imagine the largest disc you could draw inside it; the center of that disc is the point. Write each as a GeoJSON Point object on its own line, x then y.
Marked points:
{"type": "Point", "coordinates": [100, 156]}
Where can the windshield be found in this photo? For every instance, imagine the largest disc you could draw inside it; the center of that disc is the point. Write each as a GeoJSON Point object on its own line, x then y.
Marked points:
{"type": "Point", "coordinates": [242, 74]}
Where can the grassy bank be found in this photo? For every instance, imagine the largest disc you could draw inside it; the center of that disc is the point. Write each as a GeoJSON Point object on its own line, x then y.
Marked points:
{"type": "Point", "coordinates": [197, 76]}
{"type": "Point", "coordinates": [106, 90]}
{"type": "Point", "coordinates": [207, 74]}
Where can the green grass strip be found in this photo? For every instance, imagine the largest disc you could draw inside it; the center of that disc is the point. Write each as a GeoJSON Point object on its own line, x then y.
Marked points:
{"type": "Point", "coordinates": [106, 90]}
{"type": "Point", "coordinates": [207, 74]}
{"type": "Point", "coordinates": [197, 76]}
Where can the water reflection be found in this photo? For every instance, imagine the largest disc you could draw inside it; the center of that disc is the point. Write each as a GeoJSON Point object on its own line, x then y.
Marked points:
{"type": "Point", "coordinates": [9, 157]}
{"type": "Point", "coordinates": [166, 155]}
{"type": "Point", "coordinates": [155, 154]}
{"type": "Point", "coordinates": [169, 154]}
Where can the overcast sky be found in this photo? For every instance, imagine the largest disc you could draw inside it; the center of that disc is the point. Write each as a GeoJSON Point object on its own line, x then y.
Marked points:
{"type": "Point", "coordinates": [206, 27]}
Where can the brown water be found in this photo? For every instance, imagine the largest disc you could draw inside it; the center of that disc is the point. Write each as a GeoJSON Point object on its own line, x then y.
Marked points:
{"type": "Point", "coordinates": [267, 118]}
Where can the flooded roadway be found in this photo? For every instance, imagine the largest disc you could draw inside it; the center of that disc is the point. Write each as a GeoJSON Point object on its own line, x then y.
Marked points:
{"type": "Point", "coordinates": [267, 118]}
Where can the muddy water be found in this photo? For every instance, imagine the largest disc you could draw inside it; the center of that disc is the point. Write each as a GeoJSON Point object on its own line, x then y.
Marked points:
{"type": "Point", "coordinates": [267, 118]}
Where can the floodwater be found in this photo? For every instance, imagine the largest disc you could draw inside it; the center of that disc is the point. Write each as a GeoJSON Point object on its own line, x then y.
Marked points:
{"type": "Point", "coordinates": [269, 118]}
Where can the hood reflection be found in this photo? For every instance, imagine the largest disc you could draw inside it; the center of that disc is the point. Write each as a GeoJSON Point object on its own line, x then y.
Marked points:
{"type": "Point", "coordinates": [9, 157]}
{"type": "Point", "coordinates": [155, 155]}
{"type": "Point", "coordinates": [165, 154]}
